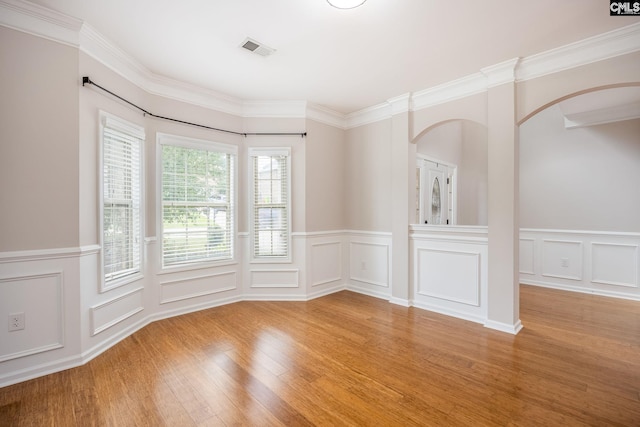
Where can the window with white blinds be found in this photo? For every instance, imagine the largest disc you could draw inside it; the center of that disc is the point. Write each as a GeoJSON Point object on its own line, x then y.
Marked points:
{"type": "Point", "coordinates": [121, 211]}
{"type": "Point", "coordinates": [270, 203]}
{"type": "Point", "coordinates": [198, 212]}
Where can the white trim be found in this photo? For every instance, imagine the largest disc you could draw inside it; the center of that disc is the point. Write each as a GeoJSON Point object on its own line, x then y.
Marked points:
{"type": "Point", "coordinates": [368, 115]}
{"type": "Point", "coordinates": [46, 23]}
{"type": "Point", "coordinates": [366, 291]}
{"type": "Point", "coordinates": [340, 257]}
{"type": "Point", "coordinates": [325, 115]}
{"type": "Point", "coordinates": [197, 294]}
{"type": "Point", "coordinates": [198, 144]}
{"type": "Point", "coordinates": [274, 109]}
{"type": "Point", "coordinates": [464, 315]}
{"type": "Point", "coordinates": [478, 278]}
{"type": "Point", "coordinates": [40, 21]}
{"type": "Point", "coordinates": [110, 121]}
{"type": "Point", "coordinates": [59, 275]}
{"type": "Point", "coordinates": [504, 327]}
{"type": "Point", "coordinates": [46, 254]}
{"type": "Point", "coordinates": [581, 290]}
{"type": "Point", "coordinates": [274, 152]}
{"type": "Point", "coordinates": [501, 73]}
{"type": "Point", "coordinates": [620, 41]}
{"type": "Point", "coordinates": [450, 91]}
{"type": "Point", "coordinates": [401, 104]}
{"type": "Point", "coordinates": [582, 232]}
{"type": "Point", "coordinates": [96, 330]}
{"type": "Point", "coordinates": [400, 301]}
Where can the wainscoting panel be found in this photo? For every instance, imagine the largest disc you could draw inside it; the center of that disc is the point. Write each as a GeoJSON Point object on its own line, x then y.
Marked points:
{"type": "Point", "coordinates": [527, 256]}
{"type": "Point", "coordinates": [369, 263]}
{"type": "Point", "coordinates": [326, 263]}
{"type": "Point", "coordinates": [285, 278]}
{"type": "Point", "coordinates": [449, 275]}
{"type": "Point", "coordinates": [597, 262]}
{"type": "Point", "coordinates": [562, 259]}
{"type": "Point", "coordinates": [614, 264]}
{"type": "Point", "coordinates": [198, 286]}
{"type": "Point", "coordinates": [112, 312]}
{"type": "Point", "coordinates": [43, 315]}
{"type": "Point", "coordinates": [449, 266]}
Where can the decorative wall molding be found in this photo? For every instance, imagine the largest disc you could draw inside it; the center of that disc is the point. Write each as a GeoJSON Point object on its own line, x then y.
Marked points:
{"type": "Point", "coordinates": [40, 21]}
{"type": "Point", "coordinates": [499, 74]}
{"type": "Point", "coordinates": [43, 22]}
{"type": "Point", "coordinates": [451, 275]}
{"type": "Point", "coordinates": [45, 254]}
{"type": "Point", "coordinates": [273, 278]}
{"type": "Point", "coordinates": [369, 263]}
{"type": "Point", "coordinates": [597, 262]}
{"type": "Point", "coordinates": [450, 91]}
{"type": "Point", "coordinates": [44, 318]}
{"type": "Point", "coordinates": [449, 266]}
{"type": "Point", "coordinates": [562, 259]}
{"type": "Point", "coordinates": [108, 314]}
{"type": "Point", "coordinates": [603, 46]}
{"type": "Point", "coordinates": [197, 286]}
{"type": "Point", "coordinates": [614, 264]}
{"type": "Point", "coordinates": [325, 263]}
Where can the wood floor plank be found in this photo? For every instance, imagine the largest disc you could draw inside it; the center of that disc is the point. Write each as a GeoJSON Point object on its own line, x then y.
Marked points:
{"type": "Point", "coordinates": [350, 360]}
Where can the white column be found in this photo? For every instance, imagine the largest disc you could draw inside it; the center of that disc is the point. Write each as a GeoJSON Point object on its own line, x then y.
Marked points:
{"type": "Point", "coordinates": [400, 170]}
{"type": "Point", "coordinates": [503, 295]}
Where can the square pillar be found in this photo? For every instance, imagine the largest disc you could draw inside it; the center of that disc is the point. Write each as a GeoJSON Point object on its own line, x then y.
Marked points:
{"type": "Point", "coordinates": [503, 202]}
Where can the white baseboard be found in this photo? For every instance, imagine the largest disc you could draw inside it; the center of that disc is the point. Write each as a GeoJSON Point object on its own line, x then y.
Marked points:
{"type": "Point", "coordinates": [504, 327]}
{"type": "Point", "coordinates": [448, 312]}
{"type": "Point", "coordinates": [582, 290]}
{"type": "Point", "coordinates": [365, 291]}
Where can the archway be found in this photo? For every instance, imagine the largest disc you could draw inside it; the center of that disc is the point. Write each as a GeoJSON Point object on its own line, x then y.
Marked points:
{"type": "Point", "coordinates": [579, 168]}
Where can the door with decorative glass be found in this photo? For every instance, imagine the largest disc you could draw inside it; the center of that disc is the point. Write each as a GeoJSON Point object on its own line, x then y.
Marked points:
{"type": "Point", "coordinates": [436, 190]}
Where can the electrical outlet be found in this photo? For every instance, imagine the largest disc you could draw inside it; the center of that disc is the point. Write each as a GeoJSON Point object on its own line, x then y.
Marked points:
{"type": "Point", "coordinates": [16, 322]}
{"type": "Point", "coordinates": [564, 262]}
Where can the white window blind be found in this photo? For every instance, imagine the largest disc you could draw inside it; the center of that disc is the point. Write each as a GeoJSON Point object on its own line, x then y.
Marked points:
{"type": "Point", "coordinates": [122, 199]}
{"type": "Point", "coordinates": [197, 203]}
{"type": "Point", "coordinates": [270, 203]}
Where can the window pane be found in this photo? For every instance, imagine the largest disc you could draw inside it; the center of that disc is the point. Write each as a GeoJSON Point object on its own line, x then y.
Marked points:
{"type": "Point", "coordinates": [270, 206]}
{"type": "Point", "coordinates": [121, 209]}
{"type": "Point", "coordinates": [197, 202]}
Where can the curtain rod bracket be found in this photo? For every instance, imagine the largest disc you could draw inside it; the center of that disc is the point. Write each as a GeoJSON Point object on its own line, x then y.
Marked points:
{"type": "Point", "coordinates": [87, 80]}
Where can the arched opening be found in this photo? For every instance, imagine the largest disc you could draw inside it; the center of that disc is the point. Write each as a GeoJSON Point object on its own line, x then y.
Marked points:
{"type": "Point", "coordinates": [579, 169]}
{"type": "Point", "coordinates": [452, 154]}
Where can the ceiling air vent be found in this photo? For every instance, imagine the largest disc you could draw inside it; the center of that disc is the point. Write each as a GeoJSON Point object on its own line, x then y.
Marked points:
{"type": "Point", "coordinates": [257, 47]}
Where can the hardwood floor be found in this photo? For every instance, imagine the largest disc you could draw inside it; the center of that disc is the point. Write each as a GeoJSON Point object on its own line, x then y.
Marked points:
{"type": "Point", "coordinates": [349, 359]}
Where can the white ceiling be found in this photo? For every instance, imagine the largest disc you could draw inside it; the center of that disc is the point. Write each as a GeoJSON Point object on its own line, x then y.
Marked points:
{"type": "Point", "coordinates": [345, 60]}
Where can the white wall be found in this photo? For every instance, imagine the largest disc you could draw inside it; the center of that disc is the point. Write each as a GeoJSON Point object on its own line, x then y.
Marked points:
{"type": "Point", "coordinates": [579, 179]}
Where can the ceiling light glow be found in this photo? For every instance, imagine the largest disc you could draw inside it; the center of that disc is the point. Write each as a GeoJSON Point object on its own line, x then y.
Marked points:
{"type": "Point", "coordinates": [346, 4]}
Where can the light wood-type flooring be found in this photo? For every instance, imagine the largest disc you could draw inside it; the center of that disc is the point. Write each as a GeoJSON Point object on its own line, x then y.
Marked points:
{"type": "Point", "coordinates": [349, 359]}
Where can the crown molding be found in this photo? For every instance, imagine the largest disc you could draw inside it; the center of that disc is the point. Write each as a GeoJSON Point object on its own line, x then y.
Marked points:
{"type": "Point", "coordinates": [325, 115]}
{"type": "Point", "coordinates": [501, 73]}
{"type": "Point", "coordinates": [37, 20]}
{"type": "Point", "coordinates": [608, 45]}
{"type": "Point", "coordinates": [368, 115]}
{"type": "Point", "coordinates": [274, 109]}
{"type": "Point", "coordinates": [455, 89]}
{"type": "Point", "coordinates": [401, 104]}
{"type": "Point", "coordinates": [40, 21]}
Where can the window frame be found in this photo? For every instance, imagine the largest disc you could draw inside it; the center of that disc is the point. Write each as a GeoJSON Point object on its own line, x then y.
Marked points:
{"type": "Point", "coordinates": [268, 151]}
{"type": "Point", "coordinates": [110, 121]}
{"type": "Point", "coordinates": [163, 139]}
